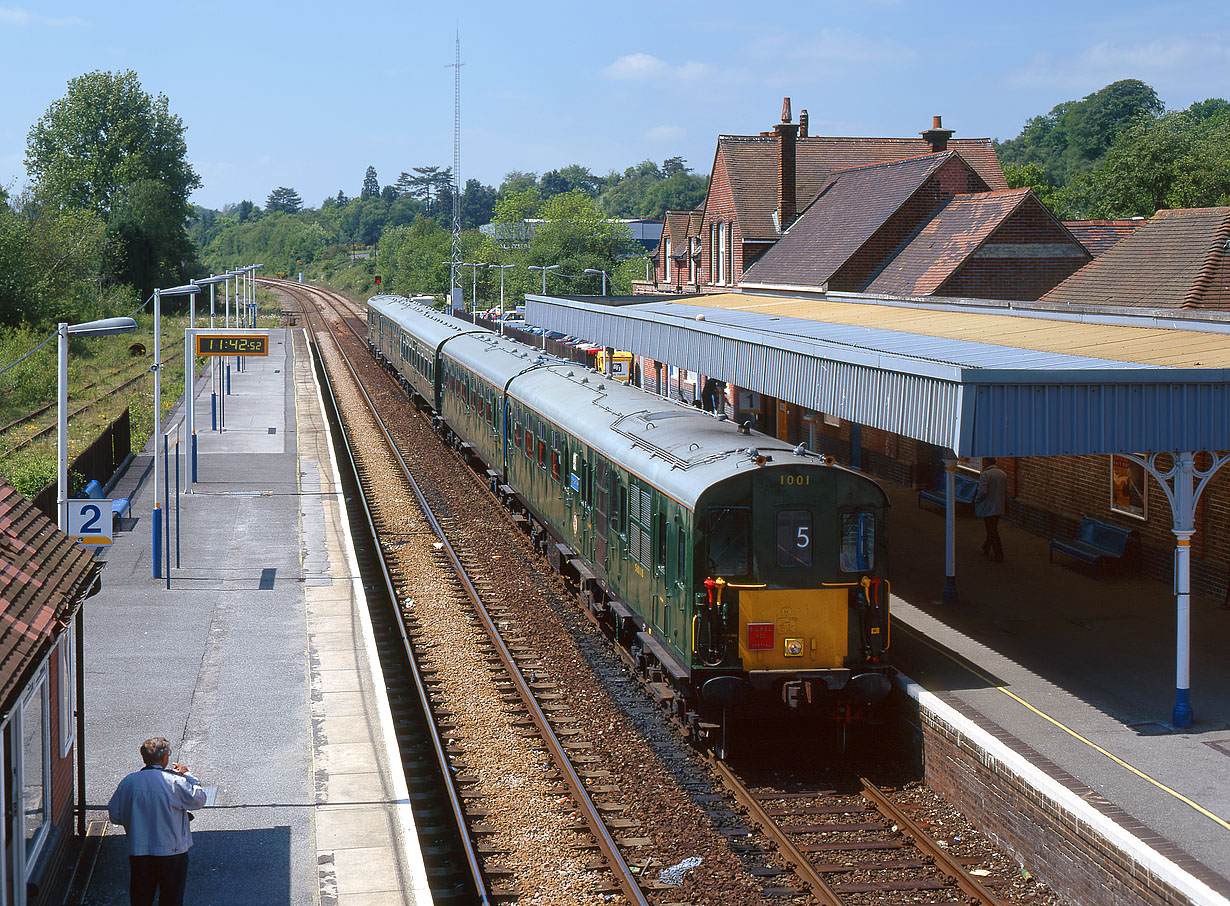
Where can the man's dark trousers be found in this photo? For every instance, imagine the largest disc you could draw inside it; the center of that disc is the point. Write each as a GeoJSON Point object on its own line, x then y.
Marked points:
{"type": "Point", "coordinates": [165, 874]}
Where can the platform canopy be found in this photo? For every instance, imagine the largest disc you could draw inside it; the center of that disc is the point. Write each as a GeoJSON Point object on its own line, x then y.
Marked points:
{"type": "Point", "coordinates": [975, 377]}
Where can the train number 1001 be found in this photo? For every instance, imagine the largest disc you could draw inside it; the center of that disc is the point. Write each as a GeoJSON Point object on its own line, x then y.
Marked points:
{"type": "Point", "coordinates": [796, 479]}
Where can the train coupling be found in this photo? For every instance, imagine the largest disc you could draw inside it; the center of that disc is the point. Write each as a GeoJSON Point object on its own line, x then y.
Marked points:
{"type": "Point", "coordinates": [796, 693]}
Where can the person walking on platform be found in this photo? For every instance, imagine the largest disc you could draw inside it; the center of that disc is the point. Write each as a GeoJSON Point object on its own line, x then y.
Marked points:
{"type": "Point", "coordinates": [152, 804]}
{"type": "Point", "coordinates": [991, 502]}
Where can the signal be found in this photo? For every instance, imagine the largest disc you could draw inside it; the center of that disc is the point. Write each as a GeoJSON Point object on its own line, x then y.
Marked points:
{"type": "Point", "coordinates": [377, 281]}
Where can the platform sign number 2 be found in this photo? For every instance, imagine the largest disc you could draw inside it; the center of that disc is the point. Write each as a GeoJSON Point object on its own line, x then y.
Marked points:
{"type": "Point", "coordinates": [89, 521]}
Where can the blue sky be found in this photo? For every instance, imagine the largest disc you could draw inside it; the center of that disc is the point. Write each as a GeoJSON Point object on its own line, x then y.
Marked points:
{"type": "Point", "coordinates": [308, 95]}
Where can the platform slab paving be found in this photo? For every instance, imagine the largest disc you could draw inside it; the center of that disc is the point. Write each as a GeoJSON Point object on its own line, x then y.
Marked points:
{"type": "Point", "coordinates": [257, 665]}
{"type": "Point", "coordinates": [1079, 669]}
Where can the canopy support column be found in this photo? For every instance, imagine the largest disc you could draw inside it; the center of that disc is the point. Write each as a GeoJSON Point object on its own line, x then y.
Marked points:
{"type": "Point", "coordinates": [1182, 483]}
{"type": "Point", "coordinates": [950, 530]}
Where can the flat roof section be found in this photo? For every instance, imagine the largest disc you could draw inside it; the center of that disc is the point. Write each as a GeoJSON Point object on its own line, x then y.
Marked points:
{"type": "Point", "coordinates": [981, 380]}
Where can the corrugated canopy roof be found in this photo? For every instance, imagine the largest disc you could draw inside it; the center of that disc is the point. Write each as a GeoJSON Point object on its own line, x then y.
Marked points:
{"type": "Point", "coordinates": [981, 380]}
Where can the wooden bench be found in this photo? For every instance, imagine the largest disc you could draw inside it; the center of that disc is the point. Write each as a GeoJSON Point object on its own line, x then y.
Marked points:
{"type": "Point", "coordinates": [1095, 541]}
{"type": "Point", "coordinates": [966, 489]}
{"type": "Point", "coordinates": [119, 506]}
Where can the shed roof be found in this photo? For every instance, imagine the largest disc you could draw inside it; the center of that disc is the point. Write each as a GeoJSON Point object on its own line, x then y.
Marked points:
{"type": "Point", "coordinates": [1176, 259]}
{"type": "Point", "coordinates": [44, 577]}
{"type": "Point", "coordinates": [1099, 235]}
{"type": "Point", "coordinates": [852, 205]}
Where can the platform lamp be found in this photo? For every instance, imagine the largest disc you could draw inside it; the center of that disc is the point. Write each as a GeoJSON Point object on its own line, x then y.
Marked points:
{"type": "Point", "coordinates": [103, 328]}
{"type": "Point", "coordinates": [187, 289]}
{"type": "Point", "coordinates": [501, 268]}
{"type": "Point", "coordinates": [594, 270]}
{"type": "Point", "coordinates": [190, 372]}
{"type": "Point", "coordinates": [549, 267]}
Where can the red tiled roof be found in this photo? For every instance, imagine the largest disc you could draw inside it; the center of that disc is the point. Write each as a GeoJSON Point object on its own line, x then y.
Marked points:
{"type": "Point", "coordinates": [751, 166]}
{"type": "Point", "coordinates": [43, 578]}
{"type": "Point", "coordinates": [1176, 259]}
{"type": "Point", "coordinates": [1099, 235]}
{"type": "Point", "coordinates": [946, 242]}
{"type": "Point", "coordinates": [850, 208]}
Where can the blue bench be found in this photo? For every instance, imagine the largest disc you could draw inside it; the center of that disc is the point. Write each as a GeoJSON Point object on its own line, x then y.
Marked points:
{"type": "Point", "coordinates": [966, 489]}
{"type": "Point", "coordinates": [1096, 541]}
{"type": "Point", "coordinates": [119, 506]}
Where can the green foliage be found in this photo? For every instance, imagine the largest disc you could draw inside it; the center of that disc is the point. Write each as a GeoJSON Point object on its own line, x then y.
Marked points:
{"type": "Point", "coordinates": [1075, 135]}
{"type": "Point", "coordinates": [1116, 154]}
{"type": "Point", "coordinates": [371, 184]}
{"type": "Point", "coordinates": [283, 242]}
{"type": "Point", "coordinates": [647, 191]}
{"type": "Point", "coordinates": [110, 148]}
{"type": "Point", "coordinates": [285, 200]}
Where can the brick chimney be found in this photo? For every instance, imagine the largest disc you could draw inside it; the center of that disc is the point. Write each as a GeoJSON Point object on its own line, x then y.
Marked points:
{"type": "Point", "coordinates": [787, 136]}
{"type": "Point", "coordinates": [802, 124]}
{"type": "Point", "coordinates": [937, 136]}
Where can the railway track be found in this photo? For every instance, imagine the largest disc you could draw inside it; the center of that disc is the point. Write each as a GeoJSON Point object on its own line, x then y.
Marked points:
{"type": "Point", "coordinates": [484, 875]}
{"type": "Point", "coordinates": [776, 842]}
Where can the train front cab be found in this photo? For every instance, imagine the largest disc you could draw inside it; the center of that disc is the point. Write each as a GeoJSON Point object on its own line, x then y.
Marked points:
{"type": "Point", "coordinates": [792, 602]}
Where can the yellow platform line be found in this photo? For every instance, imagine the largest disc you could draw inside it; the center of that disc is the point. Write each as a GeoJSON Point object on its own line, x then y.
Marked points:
{"type": "Point", "coordinates": [1093, 745]}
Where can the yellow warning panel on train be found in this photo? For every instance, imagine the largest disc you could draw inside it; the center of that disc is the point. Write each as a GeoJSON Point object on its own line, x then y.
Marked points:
{"type": "Point", "coordinates": [232, 344]}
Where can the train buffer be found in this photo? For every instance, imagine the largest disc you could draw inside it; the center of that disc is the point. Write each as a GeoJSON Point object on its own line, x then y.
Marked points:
{"type": "Point", "coordinates": [1095, 541]}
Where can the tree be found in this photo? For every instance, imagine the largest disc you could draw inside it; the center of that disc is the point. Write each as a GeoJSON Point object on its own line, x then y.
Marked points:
{"type": "Point", "coordinates": [371, 184]}
{"type": "Point", "coordinates": [573, 178]}
{"type": "Point", "coordinates": [517, 181]}
{"type": "Point", "coordinates": [245, 211]}
{"type": "Point", "coordinates": [477, 204]}
{"type": "Point", "coordinates": [341, 200]}
{"type": "Point", "coordinates": [673, 166]}
{"type": "Point", "coordinates": [103, 147]}
{"type": "Point", "coordinates": [285, 200]}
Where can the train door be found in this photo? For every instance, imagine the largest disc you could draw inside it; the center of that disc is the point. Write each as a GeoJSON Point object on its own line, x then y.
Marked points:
{"type": "Point", "coordinates": [602, 512]}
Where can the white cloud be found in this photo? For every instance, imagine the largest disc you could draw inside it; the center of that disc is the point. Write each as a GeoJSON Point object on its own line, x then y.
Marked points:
{"type": "Point", "coordinates": [15, 16]}
{"type": "Point", "coordinates": [664, 134]}
{"type": "Point", "coordinates": [643, 67]}
{"type": "Point", "coordinates": [1164, 57]}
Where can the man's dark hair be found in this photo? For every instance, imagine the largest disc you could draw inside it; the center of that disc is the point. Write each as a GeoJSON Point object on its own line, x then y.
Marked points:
{"type": "Point", "coordinates": [154, 750]}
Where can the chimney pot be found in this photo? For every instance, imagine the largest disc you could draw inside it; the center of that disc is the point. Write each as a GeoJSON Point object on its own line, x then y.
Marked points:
{"type": "Point", "coordinates": [802, 124]}
{"type": "Point", "coordinates": [936, 122]}
{"type": "Point", "coordinates": [786, 117]}
{"type": "Point", "coordinates": [937, 136]}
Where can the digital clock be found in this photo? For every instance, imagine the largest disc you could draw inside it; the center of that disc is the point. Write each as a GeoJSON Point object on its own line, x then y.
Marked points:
{"type": "Point", "coordinates": [232, 344]}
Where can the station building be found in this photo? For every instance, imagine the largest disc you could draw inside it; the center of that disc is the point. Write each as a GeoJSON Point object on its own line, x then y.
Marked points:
{"type": "Point", "coordinates": [930, 221]}
{"type": "Point", "coordinates": [44, 579]}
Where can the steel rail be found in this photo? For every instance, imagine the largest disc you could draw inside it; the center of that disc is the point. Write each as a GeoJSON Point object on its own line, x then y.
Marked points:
{"type": "Point", "coordinates": [799, 862]}
{"type": "Point", "coordinates": [593, 820]}
{"type": "Point", "coordinates": [944, 860]}
{"type": "Point", "coordinates": [454, 794]}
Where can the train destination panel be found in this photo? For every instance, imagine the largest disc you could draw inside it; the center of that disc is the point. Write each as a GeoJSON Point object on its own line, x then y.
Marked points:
{"type": "Point", "coordinates": [232, 344]}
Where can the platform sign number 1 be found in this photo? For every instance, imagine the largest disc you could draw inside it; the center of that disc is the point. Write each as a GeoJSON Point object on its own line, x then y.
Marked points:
{"type": "Point", "coordinates": [89, 521]}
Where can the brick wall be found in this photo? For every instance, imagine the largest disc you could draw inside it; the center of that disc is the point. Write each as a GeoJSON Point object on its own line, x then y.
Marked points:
{"type": "Point", "coordinates": [953, 178]}
{"type": "Point", "coordinates": [1055, 843]}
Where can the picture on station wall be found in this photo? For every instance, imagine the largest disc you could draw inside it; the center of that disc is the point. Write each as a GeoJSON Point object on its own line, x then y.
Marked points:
{"type": "Point", "coordinates": [1128, 488]}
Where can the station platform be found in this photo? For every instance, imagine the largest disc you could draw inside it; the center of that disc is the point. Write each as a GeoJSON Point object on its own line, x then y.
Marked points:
{"type": "Point", "coordinates": [258, 664]}
{"type": "Point", "coordinates": [1077, 674]}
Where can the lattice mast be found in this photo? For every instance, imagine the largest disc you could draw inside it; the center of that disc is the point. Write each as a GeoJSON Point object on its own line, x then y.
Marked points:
{"type": "Point", "coordinates": [455, 274]}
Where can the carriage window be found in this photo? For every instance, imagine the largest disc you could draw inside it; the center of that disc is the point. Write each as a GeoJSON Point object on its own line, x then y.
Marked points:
{"type": "Point", "coordinates": [681, 560]}
{"type": "Point", "coordinates": [794, 539]}
{"type": "Point", "coordinates": [858, 534]}
{"type": "Point", "coordinates": [663, 543]}
{"type": "Point", "coordinates": [555, 457]}
{"type": "Point", "coordinates": [730, 541]}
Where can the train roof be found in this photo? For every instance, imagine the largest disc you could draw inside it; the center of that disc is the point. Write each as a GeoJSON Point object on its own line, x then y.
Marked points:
{"type": "Point", "coordinates": [431, 326]}
{"type": "Point", "coordinates": [680, 449]}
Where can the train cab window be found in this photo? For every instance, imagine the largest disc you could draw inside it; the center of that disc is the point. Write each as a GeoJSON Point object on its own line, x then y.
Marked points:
{"type": "Point", "coordinates": [858, 536]}
{"type": "Point", "coordinates": [794, 539]}
{"type": "Point", "coordinates": [729, 533]}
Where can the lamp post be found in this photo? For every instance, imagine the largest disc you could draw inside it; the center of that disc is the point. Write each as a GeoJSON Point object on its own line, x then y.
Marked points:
{"type": "Point", "coordinates": [190, 372]}
{"type": "Point", "coordinates": [549, 267]}
{"type": "Point", "coordinates": [252, 294]}
{"type": "Point", "coordinates": [105, 327]}
{"type": "Point", "coordinates": [186, 290]}
{"type": "Point", "coordinates": [501, 268]}
{"type": "Point", "coordinates": [473, 285]}
{"type": "Point", "coordinates": [592, 270]}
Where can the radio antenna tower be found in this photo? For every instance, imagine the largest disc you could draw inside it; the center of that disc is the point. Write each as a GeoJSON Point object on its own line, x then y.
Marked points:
{"type": "Point", "coordinates": [455, 274]}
